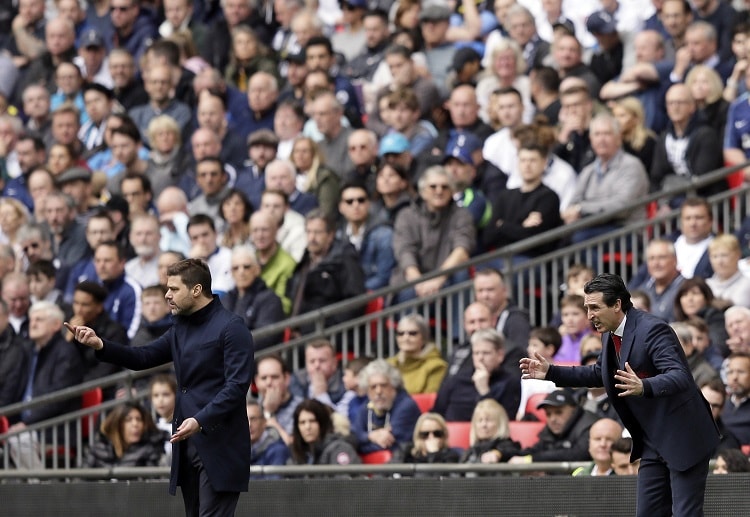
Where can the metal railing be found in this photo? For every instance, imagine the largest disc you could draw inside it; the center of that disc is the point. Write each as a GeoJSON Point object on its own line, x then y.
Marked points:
{"type": "Point", "coordinates": [535, 286]}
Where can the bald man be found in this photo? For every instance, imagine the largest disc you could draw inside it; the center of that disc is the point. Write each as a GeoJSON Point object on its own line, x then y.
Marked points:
{"type": "Point", "coordinates": [602, 435]}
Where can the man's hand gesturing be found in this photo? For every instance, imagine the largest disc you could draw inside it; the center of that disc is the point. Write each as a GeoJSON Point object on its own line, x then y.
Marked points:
{"type": "Point", "coordinates": [85, 336]}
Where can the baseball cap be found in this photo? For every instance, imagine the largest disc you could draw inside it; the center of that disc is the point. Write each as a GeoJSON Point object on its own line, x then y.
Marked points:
{"type": "Point", "coordinates": [601, 22]}
{"type": "Point", "coordinates": [393, 143]}
{"type": "Point", "coordinates": [359, 4]}
{"type": "Point", "coordinates": [434, 11]}
{"type": "Point", "coordinates": [566, 25]}
{"type": "Point", "coordinates": [558, 398]}
{"type": "Point", "coordinates": [461, 146]}
{"type": "Point", "coordinates": [91, 38]}
{"type": "Point", "coordinates": [73, 174]}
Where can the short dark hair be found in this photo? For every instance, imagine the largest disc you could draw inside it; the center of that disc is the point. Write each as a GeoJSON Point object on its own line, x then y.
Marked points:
{"type": "Point", "coordinates": [167, 49]}
{"type": "Point", "coordinates": [212, 159]}
{"type": "Point", "coordinates": [695, 201]}
{"type": "Point", "coordinates": [508, 90]}
{"type": "Point", "coordinates": [116, 245]}
{"type": "Point", "coordinates": [550, 336]}
{"type": "Point", "coordinates": [717, 386]}
{"type": "Point", "coordinates": [317, 213]}
{"type": "Point", "coordinates": [398, 50]}
{"type": "Point", "coordinates": [284, 367]}
{"type": "Point", "coordinates": [218, 93]}
{"type": "Point", "coordinates": [547, 77]}
{"type": "Point", "coordinates": [378, 13]}
{"type": "Point", "coordinates": [41, 267]}
{"type": "Point", "coordinates": [154, 290]}
{"type": "Point", "coordinates": [622, 445]}
{"type": "Point", "coordinates": [164, 378]}
{"type": "Point", "coordinates": [318, 41]}
{"type": "Point", "coordinates": [145, 182]}
{"type": "Point", "coordinates": [98, 292]}
{"type": "Point", "coordinates": [128, 130]}
{"type": "Point", "coordinates": [199, 219]}
{"type": "Point", "coordinates": [192, 272]}
{"type": "Point", "coordinates": [35, 139]}
{"type": "Point", "coordinates": [612, 288]}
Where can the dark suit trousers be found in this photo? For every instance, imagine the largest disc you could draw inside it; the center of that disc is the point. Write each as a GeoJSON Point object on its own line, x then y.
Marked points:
{"type": "Point", "coordinates": [201, 500]}
{"type": "Point", "coordinates": [663, 492]}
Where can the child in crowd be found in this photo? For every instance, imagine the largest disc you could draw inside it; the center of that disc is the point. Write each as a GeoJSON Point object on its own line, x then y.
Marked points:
{"type": "Point", "coordinates": [41, 276]}
{"type": "Point", "coordinates": [355, 396]}
{"type": "Point", "coordinates": [404, 116]}
{"type": "Point", "coordinates": [163, 392]}
{"type": "Point", "coordinates": [578, 275]}
{"type": "Point", "coordinates": [590, 345]}
{"type": "Point", "coordinates": [544, 341]}
{"type": "Point", "coordinates": [155, 315]}
{"type": "Point", "coordinates": [640, 300]}
{"type": "Point", "coordinates": [702, 342]}
{"type": "Point", "coordinates": [575, 326]}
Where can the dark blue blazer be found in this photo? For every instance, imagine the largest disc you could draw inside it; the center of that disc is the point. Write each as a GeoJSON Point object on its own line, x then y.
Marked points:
{"type": "Point", "coordinates": [212, 350]}
{"type": "Point", "coordinates": [672, 412]}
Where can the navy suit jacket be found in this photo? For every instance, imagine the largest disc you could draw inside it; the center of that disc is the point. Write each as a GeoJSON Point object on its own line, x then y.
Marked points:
{"type": "Point", "coordinates": [672, 412]}
{"type": "Point", "coordinates": [212, 350]}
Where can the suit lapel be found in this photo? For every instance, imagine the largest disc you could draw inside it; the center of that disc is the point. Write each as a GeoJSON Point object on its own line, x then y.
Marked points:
{"type": "Point", "coordinates": [628, 338]}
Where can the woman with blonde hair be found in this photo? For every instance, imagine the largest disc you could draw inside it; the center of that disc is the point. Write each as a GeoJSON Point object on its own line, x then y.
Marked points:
{"type": "Point", "coordinates": [507, 68]}
{"type": "Point", "coordinates": [728, 282]}
{"type": "Point", "coordinates": [429, 443]}
{"type": "Point", "coordinates": [419, 361]}
{"type": "Point", "coordinates": [706, 88]}
{"type": "Point", "coordinates": [489, 438]}
{"type": "Point", "coordinates": [248, 56]}
{"type": "Point", "coordinates": [13, 215]}
{"type": "Point", "coordinates": [165, 162]}
{"type": "Point", "coordinates": [312, 174]}
{"type": "Point", "coordinates": [637, 139]}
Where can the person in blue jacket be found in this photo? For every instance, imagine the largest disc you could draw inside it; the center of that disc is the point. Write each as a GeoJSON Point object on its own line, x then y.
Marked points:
{"type": "Point", "coordinates": [212, 351]}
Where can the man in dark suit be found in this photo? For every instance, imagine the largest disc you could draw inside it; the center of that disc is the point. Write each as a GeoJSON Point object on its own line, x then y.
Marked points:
{"type": "Point", "coordinates": [212, 350]}
{"type": "Point", "coordinates": [647, 378]}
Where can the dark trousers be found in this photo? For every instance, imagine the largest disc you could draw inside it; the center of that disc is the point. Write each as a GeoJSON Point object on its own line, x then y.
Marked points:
{"type": "Point", "coordinates": [665, 492]}
{"type": "Point", "coordinates": [201, 500]}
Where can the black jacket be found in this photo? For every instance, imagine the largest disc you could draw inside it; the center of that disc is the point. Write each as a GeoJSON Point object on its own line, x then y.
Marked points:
{"type": "Point", "coordinates": [148, 452]}
{"type": "Point", "coordinates": [572, 444]}
{"type": "Point", "coordinates": [258, 306]}
{"type": "Point", "coordinates": [106, 328]}
{"type": "Point", "coordinates": [13, 367]}
{"type": "Point", "coordinates": [507, 448]}
{"type": "Point", "coordinates": [337, 277]}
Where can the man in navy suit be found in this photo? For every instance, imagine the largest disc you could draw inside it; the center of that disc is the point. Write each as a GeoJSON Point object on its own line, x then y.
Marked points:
{"type": "Point", "coordinates": [646, 375]}
{"type": "Point", "coordinates": [212, 350]}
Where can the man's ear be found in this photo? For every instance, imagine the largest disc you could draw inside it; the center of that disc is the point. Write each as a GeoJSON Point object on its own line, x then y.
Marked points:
{"type": "Point", "coordinates": [197, 290]}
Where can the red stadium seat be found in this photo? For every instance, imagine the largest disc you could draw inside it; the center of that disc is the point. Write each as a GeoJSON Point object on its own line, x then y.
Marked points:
{"type": "Point", "coordinates": [425, 401]}
{"type": "Point", "coordinates": [377, 457]}
{"type": "Point", "coordinates": [4, 424]}
{"type": "Point", "coordinates": [531, 408]}
{"type": "Point", "coordinates": [458, 434]}
{"type": "Point", "coordinates": [526, 433]}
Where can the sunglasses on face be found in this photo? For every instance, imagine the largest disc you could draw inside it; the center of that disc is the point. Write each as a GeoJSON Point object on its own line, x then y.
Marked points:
{"type": "Point", "coordinates": [407, 332]}
{"type": "Point", "coordinates": [438, 433]}
{"type": "Point", "coordinates": [359, 200]}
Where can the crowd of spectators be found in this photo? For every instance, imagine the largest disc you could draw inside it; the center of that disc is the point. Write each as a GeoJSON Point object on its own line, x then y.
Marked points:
{"type": "Point", "coordinates": [312, 151]}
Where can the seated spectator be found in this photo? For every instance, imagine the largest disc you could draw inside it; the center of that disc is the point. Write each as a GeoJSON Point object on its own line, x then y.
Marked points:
{"type": "Point", "coordinates": [701, 369]}
{"type": "Point", "coordinates": [702, 342]}
{"type": "Point", "coordinates": [12, 359]}
{"type": "Point", "coordinates": [687, 149]}
{"type": "Point", "coordinates": [314, 440]}
{"type": "Point", "coordinates": [355, 396]}
{"type": "Point", "coordinates": [566, 435]}
{"type": "Point", "coordinates": [235, 210]}
{"type": "Point", "coordinates": [213, 182]}
{"type": "Point", "coordinates": [731, 460]}
{"type": "Point", "coordinates": [125, 144]}
{"type": "Point", "coordinates": [460, 162]}
{"type": "Point", "coordinates": [728, 283]}
{"type": "Point", "coordinates": [602, 435]}
{"type": "Point", "coordinates": [389, 418]}
{"type": "Point", "coordinates": [621, 464]}
{"type": "Point", "coordinates": [272, 379]}
{"type": "Point", "coordinates": [418, 360]}
{"type": "Point", "coordinates": [291, 234]}
{"type": "Point", "coordinates": [694, 298]}
{"type": "Point", "coordinates": [251, 299]}
{"type": "Point", "coordinates": [88, 310]}
{"type": "Point", "coordinates": [508, 72]}
{"type": "Point", "coordinates": [623, 178]}
{"type": "Point", "coordinates": [127, 438]}
{"type": "Point", "coordinates": [544, 341]}
{"type": "Point", "coordinates": [737, 320]}
{"type": "Point", "coordinates": [99, 229]}
{"type": "Point", "coordinates": [327, 112]}
{"type": "Point", "coordinates": [160, 88]}
{"type": "Point", "coordinates": [144, 236]}
{"type": "Point", "coordinates": [202, 234]}
{"type": "Point", "coordinates": [530, 210]}
{"type": "Point", "coordinates": [485, 378]}
{"type": "Point", "coordinates": [162, 395]}
{"type": "Point", "coordinates": [706, 88]}
{"type": "Point", "coordinates": [49, 364]}
{"type": "Point", "coordinates": [156, 316]}
{"type": "Point", "coordinates": [329, 272]}
{"type": "Point", "coordinates": [392, 187]}
{"type": "Point", "coordinates": [431, 234]}
{"type": "Point", "coordinates": [637, 139]}
{"type": "Point", "coordinates": [313, 176]}
{"type": "Point", "coordinates": [404, 118]}
{"type": "Point", "coordinates": [664, 279]}
{"type": "Point", "coordinates": [167, 164]}
{"type": "Point", "coordinates": [123, 292]}
{"type": "Point", "coordinates": [575, 326]}
{"type": "Point", "coordinates": [429, 443]}
{"type": "Point", "coordinates": [281, 175]}
{"type": "Point", "coordinates": [267, 448]}
{"type": "Point", "coordinates": [42, 279]}
{"type": "Point", "coordinates": [490, 440]}
{"type": "Point", "coordinates": [276, 265]}
{"type": "Point", "coordinates": [715, 393]}
{"type": "Point", "coordinates": [17, 296]}
{"type": "Point", "coordinates": [371, 236]}
{"type": "Point", "coordinates": [321, 378]}
{"type": "Point", "coordinates": [736, 412]}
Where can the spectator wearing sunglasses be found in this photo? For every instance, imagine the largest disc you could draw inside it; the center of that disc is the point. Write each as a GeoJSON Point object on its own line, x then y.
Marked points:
{"type": "Point", "coordinates": [418, 359]}
{"type": "Point", "coordinates": [430, 443]}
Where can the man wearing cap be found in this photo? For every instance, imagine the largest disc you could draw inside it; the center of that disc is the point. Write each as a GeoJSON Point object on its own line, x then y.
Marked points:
{"type": "Point", "coordinates": [364, 64]}
{"type": "Point", "coordinates": [434, 23]}
{"type": "Point", "coordinates": [394, 150]}
{"type": "Point", "coordinates": [459, 161]}
{"type": "Point", "coordinates": [262, 148]}
{"type": "Point", "coordinates": [646, 375]}
{"type": "Point", "coordinates": [606, 63]}
{"type": "Point", "coordinates": [566, 435]}
{"type": "Point", "coordinates": [92, 59]}
{"type": "Point", "coordinates": [98, 100]}
{"type": "Point", "coordinates": [76, 182]}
